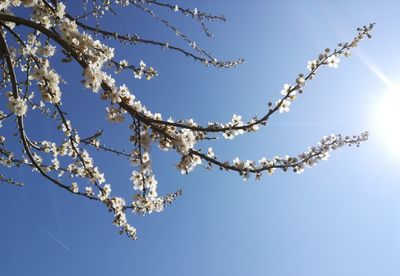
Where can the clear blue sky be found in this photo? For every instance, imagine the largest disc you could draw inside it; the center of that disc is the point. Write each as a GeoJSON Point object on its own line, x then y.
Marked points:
{"type": "Point", "coordinates": [340, 218]}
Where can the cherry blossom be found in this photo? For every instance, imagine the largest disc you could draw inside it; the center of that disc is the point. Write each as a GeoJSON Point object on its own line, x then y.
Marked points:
{"type": "Point", "coordinates": [33, 32]}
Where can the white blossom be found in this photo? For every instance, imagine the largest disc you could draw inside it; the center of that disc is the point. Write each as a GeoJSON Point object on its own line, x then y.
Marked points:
{"type": "Point", "coordinates": [74, 187]}
{"type": "Point", "coordinates": [333, 61]}
{"type": "Point", "coordinates": [69, 157]}
{"type": "Point", "coordinates": [17, 106]}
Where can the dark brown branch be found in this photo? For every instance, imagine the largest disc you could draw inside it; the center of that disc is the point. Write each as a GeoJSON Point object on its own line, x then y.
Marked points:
{"type": "Point", "coordinates": [20, 121]}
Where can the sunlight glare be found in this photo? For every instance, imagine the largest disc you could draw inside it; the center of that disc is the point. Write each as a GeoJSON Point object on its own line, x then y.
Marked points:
{"type": "Point", "coordinates": [387, 122]}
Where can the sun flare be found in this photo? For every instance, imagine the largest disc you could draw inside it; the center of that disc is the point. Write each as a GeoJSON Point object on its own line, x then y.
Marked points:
{"type": "Point", "coordinates": [387, 124]}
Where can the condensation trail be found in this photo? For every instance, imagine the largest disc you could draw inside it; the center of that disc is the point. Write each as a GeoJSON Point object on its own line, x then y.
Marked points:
{"type": "Point", "coordinates": [54, 238]}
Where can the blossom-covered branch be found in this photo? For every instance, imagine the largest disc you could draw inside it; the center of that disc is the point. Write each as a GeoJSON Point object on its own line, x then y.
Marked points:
{"type": "Point", "coordinates": [28, 45]}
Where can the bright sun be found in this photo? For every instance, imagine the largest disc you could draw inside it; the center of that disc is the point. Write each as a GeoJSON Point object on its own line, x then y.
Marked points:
{"type": "Point", "coordinates": [387, 123]}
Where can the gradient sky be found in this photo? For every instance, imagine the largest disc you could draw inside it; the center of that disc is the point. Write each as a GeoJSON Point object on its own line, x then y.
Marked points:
{"type": "Point", "coordinates": [340, 218]}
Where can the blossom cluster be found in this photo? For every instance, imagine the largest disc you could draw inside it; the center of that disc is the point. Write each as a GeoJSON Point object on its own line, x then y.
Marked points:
{"type": "Point", "coordinates": [304, 160]}
{"type": "Point", "coordinates": [143, 70]}
{"type": "Point", "coordinates": [144, 181]}
{"type": "Point", "coordinates": [17, 105]}
{"type": "Point", "coordinates": [48, 82]}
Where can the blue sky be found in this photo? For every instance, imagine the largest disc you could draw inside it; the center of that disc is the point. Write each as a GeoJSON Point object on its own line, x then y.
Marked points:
{"type": "Point", "coordinates": [340, 218]}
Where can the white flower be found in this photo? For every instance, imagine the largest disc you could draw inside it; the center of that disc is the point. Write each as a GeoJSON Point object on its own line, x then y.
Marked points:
{"type": "Point", "coordinates": [115, 115]}
{"type": "Point", "coordinates": [137, 178]}
{"type": "Point", "coordinates": [56, 163]}
{"type": "Point", "coordinates": [286, 88]}
{"type": "Point", "coordinates": [47, 51]}
{"type": "Point", "coordinates": [60, 10]}
{"type": "Point", "coordinates": [237, 120]}
{"type": "Point", "coordinates": [105, 193]}
{"type": "Point", "coordinates": [17, 106]}
{"type": "Point", "coordinates": [123, 63]}
{"type": "Point", "coordinates": [301, 81]}
{"type": "Point", "coordinates": [333, 61]}
{"type": "Point", "coordinates": [89, 191]}
{"type": "Point", "coordinates": [185, 141]}
{"type": "Point", "coordinates": [238, 164]}
{"type": "Point", "coordinates": [188, 163]}
{"type": "Point", "coordinates": [93, 77]}
{"type": "Point", "coordinates": [228, 135]}
{"type": "Point", "coordinates": [312, 65]}
{"type": "Point", "coordinates": [74, 187]}
{"type": "Point", "coordinates": [210, 153]}
{"type": "Point", "coordinates": [284, 107]}
{"type": "Point", "coordinates": [29, 3]}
